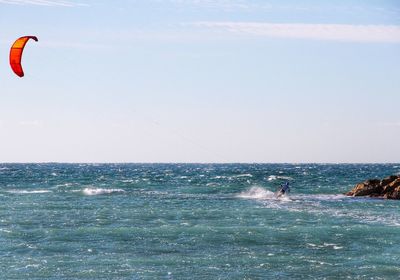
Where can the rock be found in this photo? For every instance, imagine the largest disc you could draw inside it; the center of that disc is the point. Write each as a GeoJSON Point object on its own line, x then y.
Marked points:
{"type": "Point", "coordinates": [391, 186]}
{"type": "Point", "coordinates": [392, 190]}
{"type": "Point", "coordinates": [386, 188]}
{"type": "Point", "coordinates": [364, 189]}
{"type": "Point", "coordinates": [388, 180]}
{"type": "Point", "coordinates": [396, 193]}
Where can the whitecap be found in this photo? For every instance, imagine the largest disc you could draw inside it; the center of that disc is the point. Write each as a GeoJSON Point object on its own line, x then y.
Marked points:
{"type": "Point", "coordinates": [65, 185]}
{"type": "Point", "coordinates": [128, 181]}
{"type": "Point", "coordinates": [242, 175]}
{"type": "Point", "coordinates": [276, 177]}
{"type": "Point", "coordinates": [32, 265]}
{"type": "Point", "coordinates": [28, 192]}
{"type": "Point", "coordinates": [272, 177]}
{"type": "Point", "coordinates": [98, 191]}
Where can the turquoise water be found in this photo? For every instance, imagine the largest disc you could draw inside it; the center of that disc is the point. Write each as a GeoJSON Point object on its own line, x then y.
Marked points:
{"type": "Point", "coordinates": [190, 221]}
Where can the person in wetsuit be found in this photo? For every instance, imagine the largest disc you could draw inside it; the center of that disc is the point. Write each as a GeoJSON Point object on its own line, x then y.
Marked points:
{"type": "Point", "coordinates": [284, 189]}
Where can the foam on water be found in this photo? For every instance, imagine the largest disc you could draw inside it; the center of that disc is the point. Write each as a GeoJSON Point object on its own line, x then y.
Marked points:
{"type": "Point", "coordinates": [28, 191]}
{"type": "Point", "coordinates": [242, 175]}
{"type": "Point", "coordinates": [276, 177]}
{"type": "Point", "coordinates": [317, 205]}
{"type": "Point", "coordinates": [99, 191]}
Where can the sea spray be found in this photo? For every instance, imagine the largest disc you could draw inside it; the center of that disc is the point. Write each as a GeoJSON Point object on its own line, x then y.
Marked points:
{"type": "Point", "coordinates": [257, 193]}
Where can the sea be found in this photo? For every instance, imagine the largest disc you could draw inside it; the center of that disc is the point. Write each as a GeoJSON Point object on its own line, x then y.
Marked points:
{"type": "Point", "coordinates": [195, 221]}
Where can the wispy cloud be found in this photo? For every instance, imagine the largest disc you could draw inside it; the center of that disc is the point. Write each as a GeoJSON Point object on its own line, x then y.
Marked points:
{"type": "Point", "coordinates": [75, 45]}
{"type": "Point", "coordinates": [224, 4]}
{"type": "Point", "coordinates": [33, 123]}
{"type": "Point", "coordinates": [390, 124]}
{"type": "Point", "coordinates": [315, 8]}
{"type": "Point", "coordinates": [62, 3]}
{"type": "Point", "coordinates": [334, 32]}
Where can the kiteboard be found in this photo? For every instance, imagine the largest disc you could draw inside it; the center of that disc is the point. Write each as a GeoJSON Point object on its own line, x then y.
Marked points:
{"type": "Point", "coordinates": [278, 194]}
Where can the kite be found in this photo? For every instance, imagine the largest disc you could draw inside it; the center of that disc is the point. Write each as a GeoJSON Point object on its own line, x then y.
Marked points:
{"type": "Point", "coordinates": [16, 54]}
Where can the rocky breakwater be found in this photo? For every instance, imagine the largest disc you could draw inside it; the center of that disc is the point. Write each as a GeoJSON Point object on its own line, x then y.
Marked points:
{"type": "Point", "coordinates": [386, 188]}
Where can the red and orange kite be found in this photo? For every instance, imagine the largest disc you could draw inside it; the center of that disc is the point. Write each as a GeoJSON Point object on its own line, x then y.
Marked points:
{"type": "Point", "coordinates": [16, 54]}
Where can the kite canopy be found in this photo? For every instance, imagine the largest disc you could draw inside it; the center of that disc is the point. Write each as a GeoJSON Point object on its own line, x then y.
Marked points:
{"type": "Point", "coordinates": [16, 54]}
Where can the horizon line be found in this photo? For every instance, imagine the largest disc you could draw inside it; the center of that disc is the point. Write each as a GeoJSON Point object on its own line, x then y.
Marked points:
{"type": "Point", "coordinates": [215, 163]}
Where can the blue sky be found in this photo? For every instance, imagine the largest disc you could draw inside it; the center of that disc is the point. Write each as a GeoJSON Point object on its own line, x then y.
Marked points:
{"type": "Point", "coordinates": [201, 81]}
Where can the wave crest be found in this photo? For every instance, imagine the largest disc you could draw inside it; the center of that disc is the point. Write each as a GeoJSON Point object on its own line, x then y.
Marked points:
{"type": "Point", "coordinates": [28, 192]}
{"type": "Point", "coordinates": [98, 191]}
{"type": "Point", "coordinates": [277, 177]}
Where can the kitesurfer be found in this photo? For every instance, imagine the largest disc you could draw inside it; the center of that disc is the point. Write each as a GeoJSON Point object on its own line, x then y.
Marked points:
{"type": "Point", "coordinates": [284, 189]}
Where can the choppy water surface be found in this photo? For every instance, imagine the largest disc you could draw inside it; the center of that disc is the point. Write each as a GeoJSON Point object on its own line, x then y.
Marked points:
{"type": "Point", "coordinates": [189, 221]}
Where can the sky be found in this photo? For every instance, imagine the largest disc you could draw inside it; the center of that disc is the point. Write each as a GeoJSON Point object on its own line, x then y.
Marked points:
{"type": "Point", "coordinates": [224, 81]}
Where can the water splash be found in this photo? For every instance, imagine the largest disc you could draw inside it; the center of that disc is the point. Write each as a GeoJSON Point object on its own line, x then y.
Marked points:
{"type": "Point", "coordinates": [257, 193]}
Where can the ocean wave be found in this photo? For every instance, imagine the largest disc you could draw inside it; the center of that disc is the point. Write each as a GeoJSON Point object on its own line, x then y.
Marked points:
{"type": "Point", "coordinates": [65, 185]}
{"type": "Point", "coordinates": [319, 197]}
{"type": "Point", "coordinates": [242, 175]}
{"type": "Point", "coordinates": [316, 204]}
{"type": "Point", "coordinates": [325, 245]}
{"type": "Point", "coordinates": [98, 191]}
{"type": "Point", "coordinates": [277, 177]}
{"type": "Point", "coordinates": [128, 181]}
{"type": "Point", "coordinates": [28, 192]}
